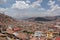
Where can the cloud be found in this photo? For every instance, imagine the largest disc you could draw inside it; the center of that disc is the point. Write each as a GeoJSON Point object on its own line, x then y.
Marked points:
{"type": "Point", "coordinates": [54, 9]}
{"type": "Point", "coordinates": [27, 1]}
{"type": "Point", "coordinates": [37, 3]}
{"type": "Point", "coordinates": [22, 9]}
{"type": "Point", "coordinates": [58, 0]}
{"type": "Point", "coordinates": [2, 10]}
{"type": "Point", "coordinates": [24, 13]}
{"type": "Point", "coordinates": [20, 5]}
{"type": "Point", "coordinates": [51, 3]}
{"type": "Point", "coordinates": [27, 4]}
{"type": "Point", "coordinates": [3, 1]}
{"type": "Point", "coordinates": [53, 6]}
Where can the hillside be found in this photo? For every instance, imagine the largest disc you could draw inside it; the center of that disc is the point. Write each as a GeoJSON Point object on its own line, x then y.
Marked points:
{"type": "Point", "coordinates": [6, 21]}
{"type": "Point", "coordinates": [53, 18]}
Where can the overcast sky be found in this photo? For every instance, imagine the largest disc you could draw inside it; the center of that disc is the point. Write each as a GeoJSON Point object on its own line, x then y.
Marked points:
{"type": "Point", "coordinates": [30, 8]}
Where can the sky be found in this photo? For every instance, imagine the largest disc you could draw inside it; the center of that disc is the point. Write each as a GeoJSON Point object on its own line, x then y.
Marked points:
{"type": "Point", "coordinates": [30, 8]}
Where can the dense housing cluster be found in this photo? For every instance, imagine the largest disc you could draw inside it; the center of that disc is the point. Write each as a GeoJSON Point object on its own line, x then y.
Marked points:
{"type": "Point", "coordinates": [11, 29]}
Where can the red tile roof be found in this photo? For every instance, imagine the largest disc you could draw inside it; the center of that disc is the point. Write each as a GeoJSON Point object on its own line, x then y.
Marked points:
{"type": "Point", "coordinates": [57, 38]}
{"type": "Point", "coordinates": [17, 29]}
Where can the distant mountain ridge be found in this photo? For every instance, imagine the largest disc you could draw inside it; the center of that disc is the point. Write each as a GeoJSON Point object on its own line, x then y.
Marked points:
{"type": "Point", "coordinates": [47, 18]}
{"type": "Point", "coordinates": [6, 19]}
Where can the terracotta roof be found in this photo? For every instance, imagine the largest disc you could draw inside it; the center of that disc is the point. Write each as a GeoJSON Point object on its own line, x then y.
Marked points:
{"type": "Point", "coordinates": [57, 38]}
{"type": "Point", "coordinates": [17, 29]}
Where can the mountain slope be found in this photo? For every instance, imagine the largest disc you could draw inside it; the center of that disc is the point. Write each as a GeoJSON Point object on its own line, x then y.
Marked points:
{"type": "Point", "coordinates": [6, 19]}
{"type": "Point", "coordinates": [53, 18]}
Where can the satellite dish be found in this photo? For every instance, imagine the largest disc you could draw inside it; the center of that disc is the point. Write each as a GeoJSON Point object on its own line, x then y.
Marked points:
{"type": "Point", "coordinates": [38, 33]}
